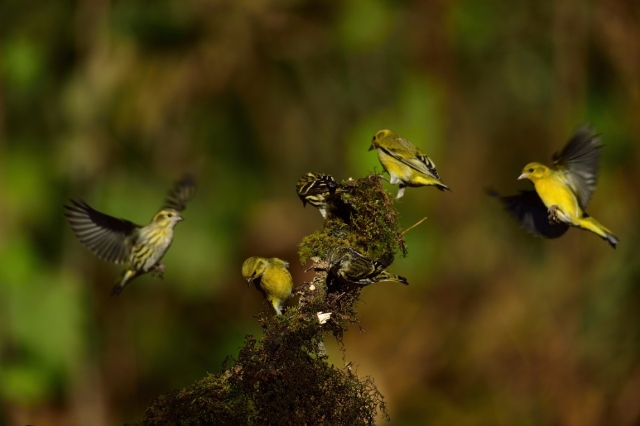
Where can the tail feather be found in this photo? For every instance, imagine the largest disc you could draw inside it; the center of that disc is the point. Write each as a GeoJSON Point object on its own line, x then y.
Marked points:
{"type": "Point", "coordinates": [127, 276]}
{"type": "Point", "coordinates": [594, 226]}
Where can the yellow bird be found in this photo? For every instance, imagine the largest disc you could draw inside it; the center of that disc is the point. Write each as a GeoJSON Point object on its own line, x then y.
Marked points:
{"type": "Point", "coordinates": [272, 279]}
{"type": "Point", "coordinates": [119, 240]}
{"type": "Point", "coordinates": [406, 164]}
{"type": "Point", "coordinates": [563, 191]}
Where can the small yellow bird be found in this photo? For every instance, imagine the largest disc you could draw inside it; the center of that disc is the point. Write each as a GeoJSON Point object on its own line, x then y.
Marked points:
{"type": "Point", "coordinates": [272, 279]}
{"type": "Point", "coordinates": [406, 164]}
{"type": "Point", "coordinates": [119, 240]}
{"type": "Point", "coordinates": [352, 267]}
{"type": "Point", "coordinates": [563, 191]}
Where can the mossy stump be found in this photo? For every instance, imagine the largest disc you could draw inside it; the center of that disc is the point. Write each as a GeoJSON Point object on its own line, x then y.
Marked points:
{"type": "Point", "coordinates": [284, 377]}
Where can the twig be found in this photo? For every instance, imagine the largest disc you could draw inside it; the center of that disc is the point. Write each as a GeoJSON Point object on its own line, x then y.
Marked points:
{"type": "Point", "coordinates": [414, 225]}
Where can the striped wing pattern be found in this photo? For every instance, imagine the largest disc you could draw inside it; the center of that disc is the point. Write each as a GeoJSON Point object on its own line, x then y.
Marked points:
{"type": "Point", "coordinates": [351, 266]}
{"type": "Point", "coordinates": [104, 235]}
{"type": "Point", "coordinates": [315, 188]}
{"type": "Point", "coordinates": [408, 154]}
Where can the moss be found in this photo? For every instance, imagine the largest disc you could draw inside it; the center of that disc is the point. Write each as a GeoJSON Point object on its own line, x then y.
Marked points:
{"type": "Point", "coordinates": [284, 377]}
{"type": "Point", "coordinates": [366, 220]}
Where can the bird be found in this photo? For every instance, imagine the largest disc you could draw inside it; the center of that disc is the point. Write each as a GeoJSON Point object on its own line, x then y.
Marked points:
{"type": "Point", "coordinates": [561, 192]}
{"type": "Point", "coordinates": [121, 241]}
{"type": "Point", "coordinates": [320, 190]}
{"type": "Point", "coordinates": [271, 277]}
{"type": "Point", "coordinates": [406, 164]}
{"type": "Point", "coordinates": [352, 267]}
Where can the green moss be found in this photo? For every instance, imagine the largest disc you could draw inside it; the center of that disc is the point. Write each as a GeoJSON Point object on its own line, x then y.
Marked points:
{"type": "Point", "coordinates": [281, 379]}
{"type": "Point", "coordinates": [365, 219]}
{"type": "Point", "coordinates": [284, 377]}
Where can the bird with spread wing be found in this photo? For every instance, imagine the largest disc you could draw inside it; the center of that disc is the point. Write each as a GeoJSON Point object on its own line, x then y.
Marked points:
{"type": "Point", "coordinates": [121, 241]}
{"type": "Point", "coordinates": [562, 191]}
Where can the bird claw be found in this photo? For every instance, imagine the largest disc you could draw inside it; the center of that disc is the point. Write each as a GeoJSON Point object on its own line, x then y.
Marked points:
{"type": "Point", "coordinates": [381, 176]}
{"type": "Point", "coordinates": [553, 214]}
{"type": "Point", "coordinates": [158, 270]}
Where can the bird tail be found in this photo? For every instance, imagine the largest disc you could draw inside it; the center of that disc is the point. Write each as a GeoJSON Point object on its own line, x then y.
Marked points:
{"type": "Point", "coordinates": [127, 276]}
{"type": "Point", "coordinates": [388, 276]}
{"type": "Point", "coordinates": [594, 226]}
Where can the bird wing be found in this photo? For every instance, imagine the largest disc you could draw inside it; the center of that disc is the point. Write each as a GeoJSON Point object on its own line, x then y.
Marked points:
{"type": "Point", "coordinates": [578, 164]}
{"type": "Point", "coordinates": [408, 154]}
{"type": "Point", "coordinates": [356, 266]}
{"type": "Point", "coordinates": [528, 209]}
{"type": "Point", "coordinates": [180, 194]}
{"type": "Point", "coordinates": [104, 235]}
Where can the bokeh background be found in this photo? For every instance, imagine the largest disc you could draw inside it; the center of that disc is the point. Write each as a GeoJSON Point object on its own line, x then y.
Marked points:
{"type": "Point", "coordinates": [112, 101]}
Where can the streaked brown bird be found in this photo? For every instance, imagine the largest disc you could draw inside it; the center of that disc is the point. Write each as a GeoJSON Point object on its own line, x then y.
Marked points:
{"type": "Point", "coordinates": [352, 267]}
{"type": "Point", "coordinates": [121, 241]}
{"type": "Point", "coordinates": [320, 190]}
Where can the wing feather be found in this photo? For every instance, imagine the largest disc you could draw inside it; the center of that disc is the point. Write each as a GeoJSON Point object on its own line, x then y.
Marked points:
{"type": "Point", "coordinates": [180, 194]}
{"type": "Point", "coordinates": [578, 163]}
{"type": "Point", "coordinates": [529, 210]}
{"type": "Point", "coordinates": [104, 235]}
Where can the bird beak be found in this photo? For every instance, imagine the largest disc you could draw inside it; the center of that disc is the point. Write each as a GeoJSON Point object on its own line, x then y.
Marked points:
{"type": "Point", "coordinates": [371, 148]}
{"type": "Point", "coordinates": [249, 282]}
{"type": "Point", "coordinates": [180, 218]}
{"type": "Point", "coordinates": [522, 176]}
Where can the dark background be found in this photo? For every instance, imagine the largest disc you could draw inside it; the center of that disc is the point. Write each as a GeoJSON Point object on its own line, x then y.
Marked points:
{"type": "Point", "coordinates": [112, 101]}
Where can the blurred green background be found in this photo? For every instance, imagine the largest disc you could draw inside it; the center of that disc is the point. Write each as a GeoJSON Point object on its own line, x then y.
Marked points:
{"type": "Point", "coordinates": [111, 101]}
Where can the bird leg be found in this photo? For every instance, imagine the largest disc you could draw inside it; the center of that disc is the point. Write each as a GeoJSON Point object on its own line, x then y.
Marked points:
{"type": "Point", "coordinates": [158, 270]}
{"type": "Point", "coordinates": [553, 214]}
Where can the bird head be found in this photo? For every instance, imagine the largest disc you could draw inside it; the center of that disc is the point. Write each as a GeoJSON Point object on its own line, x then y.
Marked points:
{"type": "Point", "coordinates": [534, 171]}
{"type": "Point", "coordinates": [253, 268]}
{"type": "Point", "coordinates": [166, 218]}
{"type": "Point", "coordinates": [375, 142]}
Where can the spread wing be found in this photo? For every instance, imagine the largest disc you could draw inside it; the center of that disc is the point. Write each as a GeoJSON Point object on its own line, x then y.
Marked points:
{"type": "Point", "coordinates": [528, 209]}
{"type": "Point", "coordinates": [180, 194]}
{"type": "Point", "coordinates": [104, 235]}
{"type": "Point", "coordinates": [578, 162]}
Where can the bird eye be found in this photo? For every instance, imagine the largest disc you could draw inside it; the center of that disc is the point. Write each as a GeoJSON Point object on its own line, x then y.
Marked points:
{"type": "Point", "coordinates": [169, 215]}
{"type": "Point", "coordinates": [531, 170]}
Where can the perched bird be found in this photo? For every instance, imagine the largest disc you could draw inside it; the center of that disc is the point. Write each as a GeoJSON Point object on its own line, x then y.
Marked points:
{"type": "Point", "coordinates": [272, 279]}
{"type": "Point", "coordinates": [352, 267]}
{"type": "Point", "coordinates": [406, 165]}
{"type": "Point", "coordinates": [319, 190]}
{"type": "Point", "coordinates": [119, 240]}
{"type": "Point", "coordinates": [562, 192]}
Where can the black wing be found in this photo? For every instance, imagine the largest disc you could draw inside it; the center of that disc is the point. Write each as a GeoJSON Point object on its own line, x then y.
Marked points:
{"type": "Point", "coordinates": [104, 235]}
{"type": "Point", "coordinates": [182, 192]}
{"type": "Point", "coordinates": [528, 209]}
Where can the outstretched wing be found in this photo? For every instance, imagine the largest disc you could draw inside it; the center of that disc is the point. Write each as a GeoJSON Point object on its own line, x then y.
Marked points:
{"type": "Point", "coordinates": [528, 209]}
{"type": "Point", "coordinates": [104, 235]}
{"type": "Point", "coordinates": [578, 162]}
{"type": "Point", "coordinates": [180, 194]}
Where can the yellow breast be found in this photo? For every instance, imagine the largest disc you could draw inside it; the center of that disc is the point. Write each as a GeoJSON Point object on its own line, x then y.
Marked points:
{"type": "Point", "coordinates": [554, 192]}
